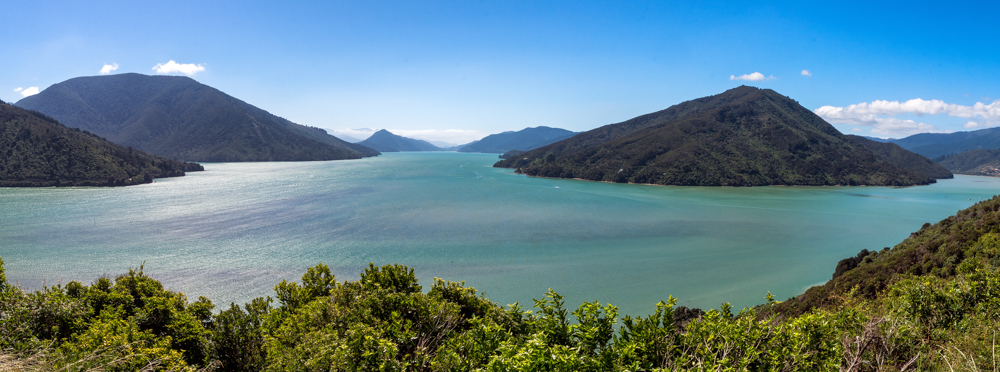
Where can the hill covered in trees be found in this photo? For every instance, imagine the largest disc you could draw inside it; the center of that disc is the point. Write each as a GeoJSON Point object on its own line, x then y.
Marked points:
{"type": "Point", "coordinates": [902, 158]}
{"type": "Point", "coordinates": [523, 140]}
{"type": "Point", "coordinates": [36, 150]}
{"type": "Point", "coordinates": [179, 118]}
{"type": "Point", "coordinates": [980, 162]}
{"type": "Point", "coordinates": [386, 141]}
{"type": "Point", "coordinates": [930, 303]}
{"type": "Point", "coordinates": [742, 137]}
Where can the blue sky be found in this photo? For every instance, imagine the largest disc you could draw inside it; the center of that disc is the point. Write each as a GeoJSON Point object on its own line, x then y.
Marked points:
{"type": "Point", "coordinates": [455, 71]}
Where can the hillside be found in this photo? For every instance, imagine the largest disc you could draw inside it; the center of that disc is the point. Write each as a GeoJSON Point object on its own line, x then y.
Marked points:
{"type": "Point", "coordinates": [974, 162]}
{"type": "Point", "coordinates": [385, 141]}
{"type": "Point", "coordinates": [742, 137]}
{"type": "Point", "coordinates": [935, 145]}
{"type": "Point", "coordinates": [179, 118]}
{"type": "Point", "coordinates": [35, 150]}
{"type": "Point", "coordinates": [524, 140]}
{"type": "Point", "coordinates": [902, 158]}
{"type": "Point", "coordinates": [958, 244]}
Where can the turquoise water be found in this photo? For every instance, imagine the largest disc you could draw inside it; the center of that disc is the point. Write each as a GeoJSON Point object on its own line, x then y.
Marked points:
{"type": "Point", "coordinates": [235, 230]}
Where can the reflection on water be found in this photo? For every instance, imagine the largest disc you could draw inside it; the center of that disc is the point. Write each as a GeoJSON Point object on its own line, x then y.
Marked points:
{"type": "Point", "coordinates": [235, 230]}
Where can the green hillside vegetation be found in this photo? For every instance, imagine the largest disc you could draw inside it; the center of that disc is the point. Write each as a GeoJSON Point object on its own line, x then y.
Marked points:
{"type": "Point", "coordinates": [742, 137]}
{"type": "Point", "coordinates": [902, 158]}
{"type": "Point", "coordinates": [936, 145]}
{"type": "Point", "coordinates": [386, 141]}
{"type": "Point", "coordinates": [930, 303]}
{"type": "Point", "coordinates": [179, 118]}
{"type": "Point", "coordinates": [524, 140]}
{"type": "Point", "coordinates": [974, 162]}
{"type": "Point", "coordinates": [35, 150]}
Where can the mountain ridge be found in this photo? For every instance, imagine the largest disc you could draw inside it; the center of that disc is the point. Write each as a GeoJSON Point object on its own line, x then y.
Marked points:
{"type": "Point", "coordinates": [180, 118]}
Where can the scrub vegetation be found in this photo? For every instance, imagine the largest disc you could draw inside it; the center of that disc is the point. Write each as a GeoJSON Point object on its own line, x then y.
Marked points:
{"type": "Point", "coordinates": [930, 303]}
{"type": "Point", "coordinates": [36, 150]}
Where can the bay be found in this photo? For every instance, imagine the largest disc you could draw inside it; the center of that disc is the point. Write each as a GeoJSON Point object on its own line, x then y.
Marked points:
{"type": "Point", "coordinates": [232, 232]}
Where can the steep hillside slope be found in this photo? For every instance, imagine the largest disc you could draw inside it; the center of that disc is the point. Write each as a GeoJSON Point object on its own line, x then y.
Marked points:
{"type": "Point", "coordinates": [974, 162]}
{"type": "Point", "coordinates": [179, 118]}
{"type": "Point", "coordinates": [902, 158]}
{"type": "Point", "coordinates": [35, 150]}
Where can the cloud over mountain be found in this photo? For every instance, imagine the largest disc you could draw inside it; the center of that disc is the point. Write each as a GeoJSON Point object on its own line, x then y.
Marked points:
{"type": "Point", "coordinates": [172, 67]}
{"type": "Point", "coordinates": [878, 115]}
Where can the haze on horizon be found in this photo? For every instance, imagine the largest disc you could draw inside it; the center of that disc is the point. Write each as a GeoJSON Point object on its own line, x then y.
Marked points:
{"type": "Point", "coordinates": [457, 71]}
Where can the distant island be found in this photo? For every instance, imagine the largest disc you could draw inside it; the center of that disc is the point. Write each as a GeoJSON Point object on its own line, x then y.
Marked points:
{"type": "Point", "coordinates": [39, 151]}
{"type": "Point", "coordinates": [178, 118]}
{"type": "Point", "coordinates": [386, 141]}
{"type": "Point", "coordinates": [743, 137]}
{"type": "Point", "coordinates": [522, 140]}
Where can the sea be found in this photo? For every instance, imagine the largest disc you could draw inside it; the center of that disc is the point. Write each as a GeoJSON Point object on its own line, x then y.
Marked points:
{"type": "Point", "coordinates": [232, 232]}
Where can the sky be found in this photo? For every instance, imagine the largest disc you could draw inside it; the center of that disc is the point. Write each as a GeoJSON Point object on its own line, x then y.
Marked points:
{"type": "Point", "coordinates": [455, 71]}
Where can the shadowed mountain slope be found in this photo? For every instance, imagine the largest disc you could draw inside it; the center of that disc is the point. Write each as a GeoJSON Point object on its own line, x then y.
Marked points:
{"type": "Point", "coordinates": [979, 162]}
{"type": "Point", "coordinates": [179, 118]}
{"type": "Point", "coordinates": [903, 158]}
{"type": "Point", "coordinates": [524, 140]}
{"type": "Point", "coordinates": [742, 137]}
{"type": "Point", "coordinates": [35, 150]}
{"type": "Point", "coordinates": [385, 141]}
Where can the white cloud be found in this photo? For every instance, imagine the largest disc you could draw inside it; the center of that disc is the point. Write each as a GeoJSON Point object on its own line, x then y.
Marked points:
{"type": "Point", "coordinates": [806, 73]}
{"type": "Point", "coordinates": [856, 129]}
{"type": "Point", "coordinates": [756, 76]}
{"type": "Point", "coordinates": [18, 89]}
{"type": "Point", "coordinates": [29, 91]}
{"type": "Point", "coordinates": [172, 67]}
{"type": "Point", "coordinates": [108, 68]}
{"type": "Point", "coordinates": [877, 114]}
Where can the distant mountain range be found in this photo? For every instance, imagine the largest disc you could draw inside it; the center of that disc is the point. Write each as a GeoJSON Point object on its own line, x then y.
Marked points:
{"type": "Point", "coordinates": [38, 151]}
{"type": "Point", "coordinates": [385, 141]}
{"type": "Point", "coordinates": [742, 137]}
{"type": "Point", "coordinates": [936, 145]}
{"type": "Point", "coordinates": [179, 118]}
{"type": "Point", "coordinates": [524, 140]}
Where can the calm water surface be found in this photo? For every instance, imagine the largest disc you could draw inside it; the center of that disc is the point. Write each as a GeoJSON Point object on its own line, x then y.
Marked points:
{"type": "Point", "coordinates": [235, 230]}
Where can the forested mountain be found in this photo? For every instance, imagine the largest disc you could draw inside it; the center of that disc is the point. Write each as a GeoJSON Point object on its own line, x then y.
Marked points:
{"type": "Point", "coordinates": [742, 137]}
{"type": "Point", "coordinates": [524, 140]}
{"type": "Point", "coordinates": [179, 118]}
{"type": "Point", "coordinates": [903, 158]}
{"type": "Point", "coordinates": [979, 162]}
{"type": "Point", "coordinates": [385, 141]}
{"type": "Point", "coordinates": [35, 150]}
{"type": "Point", "coordinates": [935, 145]}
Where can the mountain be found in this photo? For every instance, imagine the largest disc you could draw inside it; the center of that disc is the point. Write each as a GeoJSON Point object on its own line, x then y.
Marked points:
{"type": "Point", "coordinates": [385, 141]}
{"type": "Point", "coordinates": [935, 145]}
{"type": "Point", "coordinates": [179, 118]}
{"type": "Point", "coordinates": [980, 162]}
{"type": "Point", "coordinates": [35, 150]}
{"type": "Point", "coordinates": [902, 158]}
{"type": "Point", "coordinates": [524, 140]}
{"type": "Point", "coordinates": [742, 137]}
